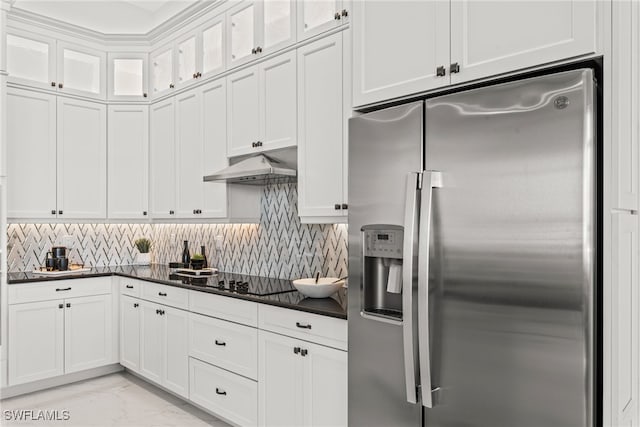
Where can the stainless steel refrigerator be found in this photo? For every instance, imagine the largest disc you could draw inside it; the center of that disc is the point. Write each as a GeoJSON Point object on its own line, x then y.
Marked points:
{"type": "Point", "coordinates": [472, 258]}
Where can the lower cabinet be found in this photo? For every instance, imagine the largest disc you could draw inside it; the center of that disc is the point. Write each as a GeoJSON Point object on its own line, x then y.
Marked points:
{"type": "Point", "coordinates": [300, 383]}
{"type": "Point", "coordinates": [130, 332]}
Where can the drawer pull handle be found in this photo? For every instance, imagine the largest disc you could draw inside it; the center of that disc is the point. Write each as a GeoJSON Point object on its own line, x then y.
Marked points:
{"type": "Point", "coordinates": [162, 294]}
{"type": "Point", "coordinates": [62, 289]}
{"type": "Point", "coordinates": [300, 325]}
{"type": "Point", "coordinates": [221, 343]}
{"type": "Point", "coordinates": [129, 286]}
{"type": "Point", "coordinates": [222, 392]}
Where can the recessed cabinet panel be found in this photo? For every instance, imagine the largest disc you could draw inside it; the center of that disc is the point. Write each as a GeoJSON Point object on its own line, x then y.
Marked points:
{"type": "Point", "coordinates": [278, 101]}
{"type": "Point", "coordinates": [326, 395]}
{"type": "Point", "coordinates": [162, 159]}
{"type": "Point", "coordinates": [30, 60]}
{"type": "Point", "coordinates": [242, 34]}
{"type": "Point", "coordinates": [278, 17]}
{"type": "Point", "coordinates": [128, 76]}
{"type": "Point", "coordinates": [213, 48]}
{"type": "Point", "coordinates": [316, 16]}
{"type": "Point", "coordinates": [81, 71]}
{"type": "Point", "coordinates": [189, 154]}
{"type": "Point", "coordinates": [214, 157]}
{"type": "Point", "coordinates": [187, 67]}
{"type": "Point", "coordinates": [152, 341]}
{"type": "Point", "coordinates": [162, 70]}
{"type": "Point", "coordinates": [176, 349]}
{"type": "Point", "coordinates": [243, 111]}
{"type": "Point", "coordinates": [130, 332]}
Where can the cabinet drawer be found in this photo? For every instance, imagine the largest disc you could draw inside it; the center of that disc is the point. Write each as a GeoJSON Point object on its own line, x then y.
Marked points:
{"type": "Point", "coordinates": [228, 395]}
{"type": "Point", "coordinates": [130, 287]}
{"type": "Point", "coordinates": [227, 345]}
{"type": "Point", "coordinates": [307, 326]}
{"type": "Point", "coordinates": [58, 289]}
{"type": "Point", "coordinates": [167, 295]}
{"type": "Point", "coordinates": [232, 309]}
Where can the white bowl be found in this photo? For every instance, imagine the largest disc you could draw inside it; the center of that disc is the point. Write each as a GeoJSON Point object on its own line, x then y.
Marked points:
{"type": "Point", "coordinates": [324, 288]}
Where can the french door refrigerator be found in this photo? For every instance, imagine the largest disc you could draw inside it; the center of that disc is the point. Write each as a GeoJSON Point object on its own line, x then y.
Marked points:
{"type": "Point", "coordinates": [472, 258]}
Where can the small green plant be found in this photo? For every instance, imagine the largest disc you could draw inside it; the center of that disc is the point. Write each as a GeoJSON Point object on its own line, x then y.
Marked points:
{"type": "Point", "coordinates": [197, 257]}
{"type": "Point", "coordinates": [143, 244]}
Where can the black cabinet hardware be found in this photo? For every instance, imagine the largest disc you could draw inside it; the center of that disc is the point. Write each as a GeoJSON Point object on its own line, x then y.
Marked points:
{"type": "Point", "coordinates": [129, 286]}
{"type": "Point", "coordinates": [60, 305]}
{"type": "Point", "coordinates": [199, 74]}
{"type": "Point", "coordinates": [60, 85]}
{"type": "Point", "coordinates": [68, 304]}
{"type": "Point", "coordinates": [336, 16]}
{"type": "Point", "coordinates": [53, 211]}
{"type": "Point", "coordinates": [345, 13]}
{"type": "Point", "coordinates": [144, 95]}
{"type": "Point", "coordinates": [53, 84]}
{"type": "Point", "coordinates": [63, 289]}
{"type": "Point", "coordinates": [345, 206]}
{"type": "Point", "coordinates": [300, 325]}
{"type": "Point", "coordinates": [170, 212]}
{"type": "Point", "coordinates": [59, 212]}
{"type": "Point", "coordinates": [253, 51]}
{"type": "Point", "coordinates": [194, 212]}
{"type": "Point", "coordinates": [336, 206]}
{"type": "Point", "coordinates": [171, 85]}
{"type": "Point", "coordinates": [195, 76]}
{"type": "Point", "coordinates": [222, 392]}
{"type": "Point", "coordinates": [258, 49]}
{"type": "Point", "coordinates": [161, 312]}
{"type": "Point", "coordinates": [296, 350]}
{"type": "Point", "coordinates": [136, 305]}
{"type": "Point", "coordinates": [220, 343]}
{"type": "Point", "coordinates": [303, 352]}
{"type": "Point", "coordinates": [144, 213]}
{"type": "Point", "coordinates": [162, 294]}
{"type": "Point", "coordinates": [157, 311]}
{"type": "Point", "coordinates": [454, 68]}
{"type": "Point", "coordinates": [440, 71]}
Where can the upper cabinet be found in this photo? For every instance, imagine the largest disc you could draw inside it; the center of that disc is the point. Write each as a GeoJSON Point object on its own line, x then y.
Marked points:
{"type": "Point", "coordinates": [317, 16]}
{"type": "Point", "coordinates": [162, 72]}
{"type": "Point", "coordinates": [402, 48]}
{"type": "Point", "coordinates": [255, 28]}
{"type": "Point", "coordinates": [127, 76]}
{"type": "Point", "coordinates": [213, 47]}
{"type": "Point", "coordinates": [67, 68]}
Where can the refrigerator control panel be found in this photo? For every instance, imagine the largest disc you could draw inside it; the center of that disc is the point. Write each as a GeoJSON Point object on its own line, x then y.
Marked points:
{"type": "Point", "coordinates": [383, 243]}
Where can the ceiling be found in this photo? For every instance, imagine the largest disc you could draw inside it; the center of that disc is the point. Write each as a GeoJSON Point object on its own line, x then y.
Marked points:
{"type": "Point", "coordinates": [108, 16]}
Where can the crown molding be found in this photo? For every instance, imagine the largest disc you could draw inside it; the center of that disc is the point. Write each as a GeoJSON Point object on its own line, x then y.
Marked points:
{"type": "Point", "coordinates": [6, 4]}
{"type": "Point", "coordinates": [182, 19]}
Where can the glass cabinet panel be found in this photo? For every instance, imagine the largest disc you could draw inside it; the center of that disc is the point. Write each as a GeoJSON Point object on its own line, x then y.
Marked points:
{"type": "Point", "coordinates": [317, 13]}
{"type": "Point", "coordinates": [162, 66]}
{"type": "Point", "coordinates": [187, 60]}
{"type": "Point", "coordinates": [212, 48]}
{"type": "Point", "coordinates": [242, 33]}
{"type": "Point", "coordinates": [277, 21]}
{"type": "Point", "coordinates": [81, 71]}
{"type": "Point", "coordinates": [28, 59]}
{"type": "Point", "coordinates": [128, 77]}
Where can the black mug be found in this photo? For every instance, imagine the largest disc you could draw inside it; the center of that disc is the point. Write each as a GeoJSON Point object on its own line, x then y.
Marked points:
{"type": "Point", "coordinates": [59, 251]}
{"type": "Point", "coordinates": [62, 264]}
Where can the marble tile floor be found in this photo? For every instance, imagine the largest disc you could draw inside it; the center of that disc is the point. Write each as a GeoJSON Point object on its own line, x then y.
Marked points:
{"type": "Point", "coordinates": [119, 399]}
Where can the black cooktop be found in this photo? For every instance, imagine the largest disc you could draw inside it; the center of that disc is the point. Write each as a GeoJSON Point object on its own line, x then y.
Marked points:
{"type": "Point", "coordinates": [238, 283]}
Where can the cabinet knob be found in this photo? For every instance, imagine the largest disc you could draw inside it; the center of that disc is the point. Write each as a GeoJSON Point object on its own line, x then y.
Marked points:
{"type": "Point", "coordinates": [59, 212]}
{"type": "Point", "coordinates": [258, 49]}
{"type": "Point", "coordinates": [253, 51]}
{"type": "Point", "coordinates": [194, 212]}
{"type": "Point", "coordinates": [337, 206]}
{"type": "Point", "coordinates": [198, 74]}
{"type": "Point", "coordinates": [60, 85]}
{"type": "Point", "coordinates": [162, 294]}
{"type": "Point", "coordinates": [345, 206]}
{"type": "Point", "coordinates": [53, 211]}
{"type": "Point", "coordinates": [253, 144]}
{"type": "Point", "coordinates": [454, 68]}
{"type": "Point", "coordinates": [304, 352]}
{"type": "Point", "coordinates": [170, 212]}
{"type": "Point", "coordinates": [144, 213]}
{"type": "Point", "coordinates": [296, 350]}
{"type": "Point", "coordinates": [60, 305]}
{"type": "Point", "coordinates": [136, 305]}
{"type": "Point", "coordinates": [195, 76]}
{"type": "Point", "coordinates": [157, 311]}
{"type": "Point", "coordinates": [171, 85]}
{"type": "Point", "coordinates": [336, 16]}
{"type": "Point", "coordinates": [440, 71]}
{"type": "Point", "coordinates": [53, 84]}
{"type": "Point", "coordinates": [144, 95]}
{"type": "Point", "coordinates": [345, 13]}
{"type": "Point", "coordinates": [68, 304]}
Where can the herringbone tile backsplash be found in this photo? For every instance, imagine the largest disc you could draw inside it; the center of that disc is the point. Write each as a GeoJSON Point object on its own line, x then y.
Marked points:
{"type": "Point", "coordinates": [279, 246]}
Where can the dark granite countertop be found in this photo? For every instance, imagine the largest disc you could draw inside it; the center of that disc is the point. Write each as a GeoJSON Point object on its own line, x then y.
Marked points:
{"type": "Point", "coordinates": [335, 306]}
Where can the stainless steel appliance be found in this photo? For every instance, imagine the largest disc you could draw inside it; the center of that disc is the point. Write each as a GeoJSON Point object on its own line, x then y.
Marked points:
{"type": "Point", "coordinates": [472, 258]}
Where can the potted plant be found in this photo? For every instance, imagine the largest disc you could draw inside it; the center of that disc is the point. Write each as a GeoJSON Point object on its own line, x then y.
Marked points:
{"type": "Point", "coordinates": [197, 261]}
{"type": "Point", "coordinates": [144, 246]}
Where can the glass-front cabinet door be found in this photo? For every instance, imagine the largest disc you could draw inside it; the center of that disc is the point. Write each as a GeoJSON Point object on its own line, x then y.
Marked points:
{"type": "Point", "coordinates": [187, 49]}
{"type": "Point", "coordinates": [317, 16]}
{"type": "Point", "coordinates": [81, 71]}
{"type": "Point", "coordinates": [241, 35]}
{"type": "Point", "coordinates": [278, 24]}
{"type": "Point", "coordinates": [162, 70]}
{"type": "Point", "coordinates": [31, 60]}
{"type": "Point", "coordinates": [213, 44]}
{"type": "Point", "coordinates": [127, 76]}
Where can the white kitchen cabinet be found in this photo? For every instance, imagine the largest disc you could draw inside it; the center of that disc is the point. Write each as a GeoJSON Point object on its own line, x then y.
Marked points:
{"type": "Point", "coordinates": [164, 346]}
{"type": "Point", "coordinates": [242, 39]}
{"type": "Point", "coordinates": [46, 63]}
{"type": "Point", "coordinates": [300, 383]}
{"type": "Point", "coordinates": [189, 154]}
{"type": "Point", "coordinates": [36, 341]}
{"type": "Point", "coordinates": [317, 16]}
{"type": "Point", "coordinates": [625, 304]}
{"type": "Point", "coordinates": [128, 161]}
{"type": "Point", "coordinates": [63, 141]}
{"type": "Point", "coordinates": [31, 146]}
{"type": "Point", "coordinates": [405, 47]}
{"type": "Point", "coordinates": [162, 70]}
{"type": "Point", "coordinates": [82, 159]}
{"type": "Point", "coordinates": [88, 333]}
{"type": "Point", "coordinates": [278, 24]}
{"type": "Point", "coordinates": [321, 139]}
{"type": "Point", "coordinates": [162, 159]}
{"type": "Point", "coordinates": [187, 61]}
{"type": "Point", "coordinates": [130, 320]}
{"type": "Point", "coordinates": [128, 76]}
{"type": "Point", "coordinates": [261, 106]}
{"type": "Point", "coordinates": [213, 47]}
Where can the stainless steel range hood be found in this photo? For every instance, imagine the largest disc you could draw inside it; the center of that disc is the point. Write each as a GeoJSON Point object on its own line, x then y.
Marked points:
{"type": "Point", "coordinates": [255, 170]}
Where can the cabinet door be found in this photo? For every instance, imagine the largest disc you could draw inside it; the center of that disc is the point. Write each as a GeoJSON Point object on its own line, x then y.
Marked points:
{"type": "Point", "coordinates": [213, 47]}
{"type": "Point", "coordinates": [278, 102]}
{"type": "Point", "coordinates": [214, 155]}
{"type": "Point", "coordinates": [189, 154]}
{"type": "Point", "coordinates": [317, 16]}
{"type": "Point", "coordinates": [88, 333]}
{"type": "Point", "coordinates": [31, 60]}
{"type": "Point", "coordinates": [130, 332]}
{"type": "Point", "coordinates": [82, 159]}
{"type": "Point", "coordinates": [243, 112]}
{"type": "Point", "coordinates": [162, 70]}
{"type": "Point", "coordinates": [81, 71]}
{"type": "Point", "coordinates": [176, 350]}
{"type": "Point", "coordinates": [624, 315]}
{"type": "Point", "coordinates": [127, 76]}
{"type": "Point", "coordinates": [187, 50]}
{"type": "Point", "coordinates": [162, 159]}
{"type": "Point", "coordinates": [151, 341]}
{"type": "Point", "coordinates": [31, 146]}
{"type": "Point", "coordinates": [128, 149]}
{"type": "Point", "coordinates": [278, 24]}
{"type": "Point", "coordinates": [320, 121]}
{"type": "Point", "coordinates": [325, 386]}
{"type": "Point", "coordinates": [242, 38]}
{"type": "Point", "coordinates": [281, 393]}
{"type": "Point", "coordinates": [36, 341]}
{"type": "Point", "coordinates": [493, 37]}
{"type": "Point", "coordinates": [398, 47]}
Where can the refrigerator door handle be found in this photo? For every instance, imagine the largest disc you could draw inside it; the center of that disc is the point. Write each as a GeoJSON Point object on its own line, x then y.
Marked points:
{"type": "Point", "coordinates": [430, 180]}
{"type": "Point", "coordinates": [409, 250]}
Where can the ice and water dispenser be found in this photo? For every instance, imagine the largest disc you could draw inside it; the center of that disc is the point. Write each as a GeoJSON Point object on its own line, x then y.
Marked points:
{"type": "Point", "coordinates": [382, 272]}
